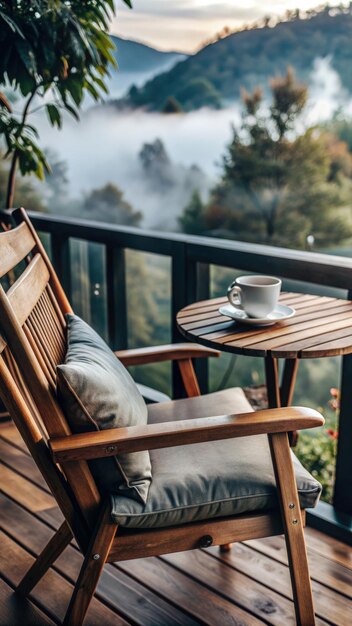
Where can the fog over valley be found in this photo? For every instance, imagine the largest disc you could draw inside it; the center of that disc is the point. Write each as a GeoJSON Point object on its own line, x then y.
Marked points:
{"type": "Point", "coordinates": [105, 147]}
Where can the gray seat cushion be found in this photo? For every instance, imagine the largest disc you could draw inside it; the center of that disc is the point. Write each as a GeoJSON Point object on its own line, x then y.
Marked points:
{"type": "Point", "coordinates": [97, 393]}
{"type": "Point", "coordinates": [208, 480]}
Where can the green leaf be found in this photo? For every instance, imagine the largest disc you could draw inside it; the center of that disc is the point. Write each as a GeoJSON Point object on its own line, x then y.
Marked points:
{"type": "Point", "coordinates": [49, 46]}
{"type": "Point", "coordinates": [92, 90]}
{"type": "Point", "coordinates": [26, 55]}
{"type": "Point", "coordinates": [75, 87]}
{"type": "Point", "coordinates": [101, 84]}
{"type": "Point", "coordinates": [54, 115]}
{"type": "Point", "coordinates": [11, 24]}
{"type": "Point", "coordinates": [71, 110]}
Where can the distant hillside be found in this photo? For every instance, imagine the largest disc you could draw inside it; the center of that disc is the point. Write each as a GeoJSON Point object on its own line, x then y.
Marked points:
{"type": "Point", "coordinates": [138, 63]}
{"type": "Point", "coordinates": [215, 75]}
{"type": "Point", "coordinates": [134, 56]}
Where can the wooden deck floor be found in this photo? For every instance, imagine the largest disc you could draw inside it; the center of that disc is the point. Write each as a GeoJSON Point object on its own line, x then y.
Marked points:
{"type": "Point", "coordinates": [246, 587]}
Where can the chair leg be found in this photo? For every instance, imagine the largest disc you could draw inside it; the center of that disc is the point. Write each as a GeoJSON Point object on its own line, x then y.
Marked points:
{"type": "Point", "coordinates": [226, 547]}
{"type": "Point", "coordinates": [92, 566]}
{"type": "Point", "coordinates": [47, 557]}
{"type": "Point", "coordinates": [293, 528]}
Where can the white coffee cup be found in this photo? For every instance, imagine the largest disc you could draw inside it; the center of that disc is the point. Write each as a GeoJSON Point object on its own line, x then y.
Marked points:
{"type": "Point", "coordinates": [255, 295]}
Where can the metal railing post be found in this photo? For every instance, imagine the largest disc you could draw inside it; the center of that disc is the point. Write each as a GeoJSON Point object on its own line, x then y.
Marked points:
{"type": "Point", "coordinates": [116, 297]}
{"type": "Point", "coordinates": [61, 258]}
{"type": "Point", "coordinates": [199, 289]}
{"type": "Point", "coordinates": [179, 299]}
{"type": "Point", "coordinates": [343, 475]}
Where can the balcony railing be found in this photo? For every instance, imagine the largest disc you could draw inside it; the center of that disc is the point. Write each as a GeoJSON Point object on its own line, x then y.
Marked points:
{"type": "Point", "coordinates": [191, 258]}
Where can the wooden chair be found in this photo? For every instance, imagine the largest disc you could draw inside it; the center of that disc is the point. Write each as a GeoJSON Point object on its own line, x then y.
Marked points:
{"type": "Point", "coordinates": [32, 343]}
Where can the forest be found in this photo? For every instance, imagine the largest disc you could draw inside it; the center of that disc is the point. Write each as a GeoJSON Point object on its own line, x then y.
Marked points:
{"type": "Point", "coordinates": [248, 57]}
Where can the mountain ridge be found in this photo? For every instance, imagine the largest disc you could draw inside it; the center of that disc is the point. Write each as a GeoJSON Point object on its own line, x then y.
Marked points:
{"type": "Point", "coordinates": [137, 63]}
{"type": "Point", "coordinates": [214, 75]}
{"type": "Point", "coordinates": [128, 50]}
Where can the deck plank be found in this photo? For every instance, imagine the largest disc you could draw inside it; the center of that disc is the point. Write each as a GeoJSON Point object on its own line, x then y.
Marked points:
{"type": "Point", "coordinates": [261, 602]}
{"type": "Point", "coordinates": [16, 610]}
{"type": "Point", "coordinates": [248, 586]}
{"type": "Point", "coordinates": [205, 604]}
{"type": "Point", "coordinates": [330, 603]}
{"type": "Point", "coordinates": [53, 592]}
{"type": "Point", "coordinates": [115, 588]}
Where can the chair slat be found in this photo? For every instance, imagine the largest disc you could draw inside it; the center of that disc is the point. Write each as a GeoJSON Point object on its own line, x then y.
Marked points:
{"type": "Point", "coordinates": [26, 291]}
{"type": "Point", "coordinates": [26, 396]}
{"type": "Point", "coordinates": [32, 324]}
{"type": "Point", "coordinates": [20, 216]}
{"type": "Point", "coordinates": [46, 337]}
{"type": "Point", "coordinates": [57, 341]}
{"type": "Point", "coordinates": [52, 303]}
{"type": "Point", "coordinates": [23, 418]}
{"type": "Point", "coordinates": [37, 347]}
{"type": "Point", "coordinates": [16, 244]}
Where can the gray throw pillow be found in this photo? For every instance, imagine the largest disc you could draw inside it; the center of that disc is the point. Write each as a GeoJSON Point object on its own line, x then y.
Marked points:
{"type": "Point", "coordinates": [97, 393]}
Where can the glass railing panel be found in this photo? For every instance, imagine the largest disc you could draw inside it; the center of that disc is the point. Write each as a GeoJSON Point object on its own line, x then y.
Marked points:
{"type": "Point", "coordinates": [148, 282]}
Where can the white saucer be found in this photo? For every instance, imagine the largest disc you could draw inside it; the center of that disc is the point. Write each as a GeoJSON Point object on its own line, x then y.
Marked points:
{"type": "Point", "coordinates": [280, 313]}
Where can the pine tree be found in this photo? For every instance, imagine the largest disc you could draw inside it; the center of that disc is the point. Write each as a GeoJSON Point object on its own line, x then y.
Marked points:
{"type": "Point", "coordinates": [277, 186]}
{"type": "Point", "coordinates": [192, 218]}
{"type": "Point", "coordinates": [172, 105]}
{"type": "Point", "coordinates": [108, 205]}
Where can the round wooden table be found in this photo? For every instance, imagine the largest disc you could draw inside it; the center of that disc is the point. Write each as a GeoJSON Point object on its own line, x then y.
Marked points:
{"type": "Point", "coordinates": [321, 327]}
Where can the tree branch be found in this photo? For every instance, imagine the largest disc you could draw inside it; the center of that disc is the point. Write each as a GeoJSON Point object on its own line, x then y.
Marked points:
{"type": "Point", "coordinates": [10, 193]}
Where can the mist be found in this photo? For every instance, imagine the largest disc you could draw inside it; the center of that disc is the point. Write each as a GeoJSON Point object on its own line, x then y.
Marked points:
{"type": "Point", "coordinates": [327, 95]}
{"type": "Point", "coordinates": [104, 147]}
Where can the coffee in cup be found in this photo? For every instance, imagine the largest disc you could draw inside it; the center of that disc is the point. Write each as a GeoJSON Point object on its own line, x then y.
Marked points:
{"type": "Point", "coordinates": [255, 295]}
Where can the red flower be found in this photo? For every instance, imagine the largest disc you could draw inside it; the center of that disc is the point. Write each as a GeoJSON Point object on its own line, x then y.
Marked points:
{"type": "Point", "coordinates": [332, 433]}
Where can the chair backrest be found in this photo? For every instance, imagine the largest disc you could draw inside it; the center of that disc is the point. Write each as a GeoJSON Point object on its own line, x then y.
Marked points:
{"type": "Point", "coordinates": [32, 344]}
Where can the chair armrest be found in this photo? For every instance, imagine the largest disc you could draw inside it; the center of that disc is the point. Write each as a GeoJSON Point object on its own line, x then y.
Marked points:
{"type": "Point", "coordinates": [168, 352]}
{"type": "Point", "coordinates": [168, 434]}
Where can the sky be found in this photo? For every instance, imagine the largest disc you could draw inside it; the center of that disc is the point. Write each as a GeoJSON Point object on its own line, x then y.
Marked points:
{"type": "Point", "coordinates": [183, 25]}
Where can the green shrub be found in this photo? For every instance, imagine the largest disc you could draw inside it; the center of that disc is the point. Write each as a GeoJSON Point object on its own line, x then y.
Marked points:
{"type": "Point", "coordinates": [317, 450]}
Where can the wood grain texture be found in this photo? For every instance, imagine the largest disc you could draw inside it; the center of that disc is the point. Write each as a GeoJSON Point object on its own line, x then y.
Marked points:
{"type": "Point", "coordinates": [293, 526]}
{"type": "Point", "coordinates": [288, 381]}
{"type": "Point", "coordinates": [183, 432]}
{"type": "Point", "coordinates": [328, 584]}
{"type": "Point", "coordinates": [189, 377]}
{"type": "Point", "coordinates": [321, 327]}
{"type": "Point", "coordinates": [204, 602]}
{"type": "Point", "coordinates": [169, 352]}
{"type": "Point", "coordinates": [17, 244]}
{"type": "Point", "coordinates": [53, 592]}
{"type": "Point", "coordinates": [26, 291]}
{"type": "Point", "coordinates": [325, 569]}
{"type": "Point", "coordinates": [21, 217]}
{"type": "Point", "coordinates": [145, 543]}
{"type": "Point", "coordinates": [272, 382]}
{"type": "Point", "coordinates": [46, 558]}
{"type": "Point", "coordinates": [122, 594]}
{"type": "Point", "coordinates": [92, 567]}
{"type": "Point", "coordinates": [234, 586]}
{"type": "Point", "coordinates": [34, 442]}
{"type": "Point", "coordinates": [147, 591]}
{"type": "Point", "coordinates": [32, 314]}
{"type": "Point", "coordinates": [35, 349]}
{"type": "Point", "coordinates": [16, 610]}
